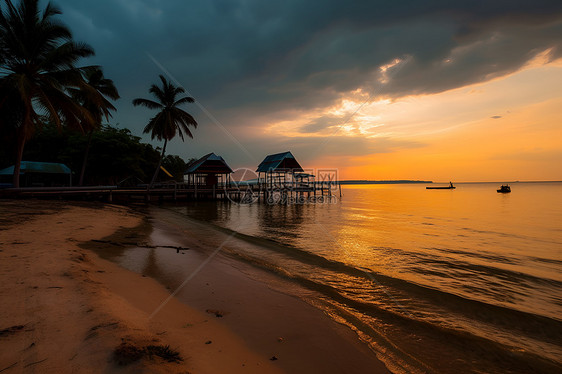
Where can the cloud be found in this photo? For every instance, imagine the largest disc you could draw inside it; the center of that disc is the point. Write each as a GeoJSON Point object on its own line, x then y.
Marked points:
{"type": "Point", "coordinates": [294, 46]}
{"type": "Point", "coordinates": [254, 61]}
{"type": "Point", "coordinates": [321, 124]}
{"type": "Point", "coordinates": [496, 117]}
{"type": "Point", "coordinates": [307, 149]}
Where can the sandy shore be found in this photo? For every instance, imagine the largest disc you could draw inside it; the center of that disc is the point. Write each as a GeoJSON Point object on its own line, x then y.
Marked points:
{"type": "Point", "coordinates": [65, 309]}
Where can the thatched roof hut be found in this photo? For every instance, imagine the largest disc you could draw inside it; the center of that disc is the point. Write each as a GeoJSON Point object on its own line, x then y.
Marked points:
{"type": "Point", "coordinates": [278, 169]}
{"type": "Point", "coordinates": [280, 162]}
{"type": "Point", "coordinates": [208, 171]}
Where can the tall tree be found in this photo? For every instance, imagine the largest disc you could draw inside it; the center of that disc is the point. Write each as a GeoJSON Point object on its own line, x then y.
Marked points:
{"type": "Point", "coordinates": [170, 120]}
{"type": "Point", "coordinates": [38, 58]}
{"type": "Point", "coordinates": [94, 98]}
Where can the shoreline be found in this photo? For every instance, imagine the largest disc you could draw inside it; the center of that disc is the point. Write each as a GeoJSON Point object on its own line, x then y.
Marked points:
{"type": "Point", "coordinates": [232, 286]}
{"type": "Point", "coordinates": [94, 306]}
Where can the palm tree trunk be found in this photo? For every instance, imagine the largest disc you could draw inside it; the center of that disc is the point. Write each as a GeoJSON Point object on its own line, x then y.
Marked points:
{"type": "Point", "coordinates": [19, 155]}
{"type": "Point", "coordinates": [159, 163]}
{"type": "Point", "coordinates": [81, 181]}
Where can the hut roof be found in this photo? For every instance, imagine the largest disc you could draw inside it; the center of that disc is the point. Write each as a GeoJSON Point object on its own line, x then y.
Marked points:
{"type": "Point", "coordinates": [38, 167]}
{"type": "Point", "coordinates": [209, 164]}
{"type": "Point", "coordinates": [279, 161]}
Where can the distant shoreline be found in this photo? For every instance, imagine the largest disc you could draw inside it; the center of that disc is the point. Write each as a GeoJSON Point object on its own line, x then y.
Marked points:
{"type": "Point", "coordinates": [382, 182]}
{"type": "Point", "coordinates": [351, 182]}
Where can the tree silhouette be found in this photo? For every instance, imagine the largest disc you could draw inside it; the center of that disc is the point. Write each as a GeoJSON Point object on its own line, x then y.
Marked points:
{"type": "Point", "coordinates": [38, 57]}
{"type": "Point", "coordinates": [93, 98]}
{"type": "Point", "coordinates": [170, 120]}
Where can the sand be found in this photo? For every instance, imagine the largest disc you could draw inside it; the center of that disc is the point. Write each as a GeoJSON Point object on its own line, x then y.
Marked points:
{"type": "Point", "coordinates": [66, 309]}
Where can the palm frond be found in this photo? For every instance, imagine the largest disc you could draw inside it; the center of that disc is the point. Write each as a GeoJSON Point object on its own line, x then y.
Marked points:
{"type": "Point", "coordinates": [147, 103]}
{"type": "Point", "coordinates": [184, 100]}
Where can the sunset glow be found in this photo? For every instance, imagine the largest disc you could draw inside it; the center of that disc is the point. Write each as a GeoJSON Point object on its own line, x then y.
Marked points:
{"type": "Point", "coordinates": [504, 129]}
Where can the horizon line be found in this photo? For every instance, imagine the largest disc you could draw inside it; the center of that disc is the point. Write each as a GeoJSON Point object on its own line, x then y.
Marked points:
{"type": "Point", "coordinates": [406, 181]}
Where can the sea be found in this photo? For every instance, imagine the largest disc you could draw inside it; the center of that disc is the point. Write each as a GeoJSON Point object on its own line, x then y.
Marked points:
{"type": "Point", "coordinates": [435, 281]}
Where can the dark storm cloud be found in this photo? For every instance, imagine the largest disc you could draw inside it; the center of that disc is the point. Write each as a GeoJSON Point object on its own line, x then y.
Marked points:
{"type": "Point", "coordinates": [251, 60]}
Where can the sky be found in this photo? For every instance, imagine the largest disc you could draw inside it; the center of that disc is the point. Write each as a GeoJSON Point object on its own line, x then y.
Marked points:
{"type": "Point", "coordinates": [432, 90]}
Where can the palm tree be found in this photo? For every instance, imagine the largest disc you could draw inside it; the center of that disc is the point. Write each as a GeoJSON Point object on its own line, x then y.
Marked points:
{"type": "Point", "coordinates": [170, 120]}
{"type": "Point", "coordinates": [93, 98]}
{"type": "Point", "coordinates": [37, 68]}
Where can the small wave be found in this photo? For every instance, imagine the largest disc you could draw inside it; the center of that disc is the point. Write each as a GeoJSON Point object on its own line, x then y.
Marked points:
{"type": "Point", "coordinates": [510, 276]}
{"type": "Point", "coordinates": [416, 326]}
{"type": "Point", "coordinates": [442, 313]}
{"type": "Point", "coordinates": [477, 255]}
{"type": "Point", "coordinates": [543, 328]}
{"type": "Point", "coordinates": [511, 235]}
{"type": "Point", "coordinates": [546, 260]}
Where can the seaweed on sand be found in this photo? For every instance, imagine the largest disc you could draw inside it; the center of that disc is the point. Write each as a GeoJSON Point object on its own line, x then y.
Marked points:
{"type": "Point", "coordinates": [127, 353]}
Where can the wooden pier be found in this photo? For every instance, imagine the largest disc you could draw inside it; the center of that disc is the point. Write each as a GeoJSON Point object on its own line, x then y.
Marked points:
{"type": "Point", "coordinates": [285, 194]}
{"type": "Point", "coordinates": [279, 179]}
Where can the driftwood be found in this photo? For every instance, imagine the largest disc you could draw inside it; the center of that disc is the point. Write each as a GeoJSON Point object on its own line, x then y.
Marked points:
{"type": "Point", "coordinates": [8, 367]}
{"type": "Point", "coordinates": [141, 245]}
{"type": "Point", "coordinates": [34, 363]}
{"type": "Point", "coordinates": [11, 330]}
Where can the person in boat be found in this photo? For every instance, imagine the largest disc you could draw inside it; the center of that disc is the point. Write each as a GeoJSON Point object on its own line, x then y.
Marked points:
{"type": "Point", "coordinates": [450, 184]}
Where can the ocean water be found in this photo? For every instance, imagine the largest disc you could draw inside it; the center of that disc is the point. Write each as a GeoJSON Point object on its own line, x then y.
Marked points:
{"type": "Point", "coordinates": [465, 280]}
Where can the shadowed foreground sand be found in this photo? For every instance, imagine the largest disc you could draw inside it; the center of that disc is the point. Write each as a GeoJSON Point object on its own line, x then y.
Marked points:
{"type": "Point", "coordinates": [64, 309]}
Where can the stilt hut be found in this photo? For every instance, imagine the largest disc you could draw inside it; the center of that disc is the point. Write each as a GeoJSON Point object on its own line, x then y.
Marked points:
{"type": "Point", "coordinates": [276, 171]}
{"type": "Point", "coordinates": [304, 180]}
{"type": "Point", "coordinates": [209, 172]}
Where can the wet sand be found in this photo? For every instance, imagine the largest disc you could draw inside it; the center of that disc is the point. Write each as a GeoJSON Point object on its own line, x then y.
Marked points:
{"type": "Point", "coordinates": [65, 309]}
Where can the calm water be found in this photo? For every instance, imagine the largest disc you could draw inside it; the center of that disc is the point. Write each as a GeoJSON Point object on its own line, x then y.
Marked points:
{"type": "Point", "coordinates": [467, 280]}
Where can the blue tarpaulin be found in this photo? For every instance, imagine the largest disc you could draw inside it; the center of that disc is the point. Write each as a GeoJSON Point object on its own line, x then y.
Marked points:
{"type": "Point", "coordinates": [38, 167]}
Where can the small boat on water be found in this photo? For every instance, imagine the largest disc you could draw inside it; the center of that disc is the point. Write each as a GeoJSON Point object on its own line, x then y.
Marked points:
{"type": "Point", "coordinates": [504, 189]}
{"type": "Point", "coordinates": [449, 187]}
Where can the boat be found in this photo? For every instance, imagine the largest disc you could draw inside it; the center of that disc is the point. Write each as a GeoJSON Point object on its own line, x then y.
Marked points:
{"type": "Point", "coordinates": [504, 189]}
{"type": "Point", "coordinates": [449, 187]}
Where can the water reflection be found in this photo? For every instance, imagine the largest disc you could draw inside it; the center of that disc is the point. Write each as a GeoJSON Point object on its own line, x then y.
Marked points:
{"type": "Point", "coordinates": [470, 241]}
{"type": "Point", "coordinates": [452, 269]}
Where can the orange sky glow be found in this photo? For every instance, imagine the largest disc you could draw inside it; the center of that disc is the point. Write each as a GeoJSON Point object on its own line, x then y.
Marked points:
{"type": "Point", "coordinates": [505, 129]}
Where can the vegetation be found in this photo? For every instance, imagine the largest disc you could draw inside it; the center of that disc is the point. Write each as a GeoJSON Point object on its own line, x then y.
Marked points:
{"type": "Point", "coordinates": [170, 120]}
{"type": "Point", "coordinates": [38, 72]}
{"type": "Point", "coordinates": [128, 352]}
{"type": "Point", "coordinates": [117, 157]}
{"type": "Point", "coordinates": [176, 166]}
{"type": "Point", "coordinates": [93, 99]}
{"type": "Point", "coordinates": [47, 104]}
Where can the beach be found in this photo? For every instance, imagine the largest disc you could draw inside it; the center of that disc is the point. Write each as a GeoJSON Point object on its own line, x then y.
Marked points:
{"type": "Point", "coordinates": [66, 309]}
